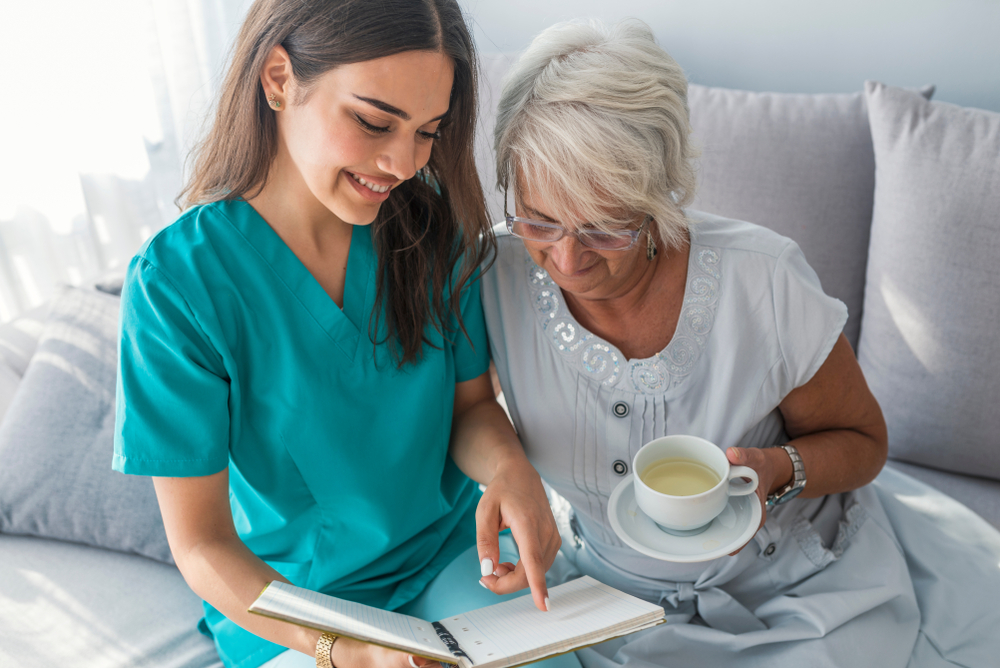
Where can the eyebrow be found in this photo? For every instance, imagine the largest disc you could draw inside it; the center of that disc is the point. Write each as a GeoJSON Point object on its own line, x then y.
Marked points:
{"type": "Point", "coordinates": [389, 109]}
{"type": "Point", "coordinates": [538, 213]}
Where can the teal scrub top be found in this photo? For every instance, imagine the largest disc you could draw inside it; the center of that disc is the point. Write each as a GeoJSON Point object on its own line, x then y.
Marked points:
{"type": "Point", "coordinates": [232, 355]}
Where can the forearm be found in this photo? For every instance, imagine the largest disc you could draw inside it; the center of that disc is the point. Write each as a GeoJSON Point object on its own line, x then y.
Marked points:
{"type": "Point", "coordinates": [483, 442]}
{"type": "Point", "coordinates": [226, 574]}
{"type": "Point", "coordinates": [837, 426]}
{"type": "Point", "coordinates": [484, 445]}
{"type": "Point", "coordinates": [835, 461]}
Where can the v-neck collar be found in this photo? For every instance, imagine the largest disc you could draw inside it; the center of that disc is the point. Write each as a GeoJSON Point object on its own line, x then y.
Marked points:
{"type": "Point", "coordinates": [343, 326]}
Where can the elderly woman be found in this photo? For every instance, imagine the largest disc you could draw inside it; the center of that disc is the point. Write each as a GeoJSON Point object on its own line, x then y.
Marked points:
{"type": "Point", "coordinates": [616, 316]}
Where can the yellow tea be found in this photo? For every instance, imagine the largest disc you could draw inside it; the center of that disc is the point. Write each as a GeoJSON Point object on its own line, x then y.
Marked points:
{"type": "Point", "coordinates": [679, 477]}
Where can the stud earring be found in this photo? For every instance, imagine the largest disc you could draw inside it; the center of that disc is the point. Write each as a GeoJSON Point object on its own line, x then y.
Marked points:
{"type": "Point", "coordinates": [650, 246]}
{"type": "Point", "coordinates": [275, 103]}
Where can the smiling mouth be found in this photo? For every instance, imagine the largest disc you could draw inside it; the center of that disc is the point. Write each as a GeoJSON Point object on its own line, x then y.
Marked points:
{"type": "Point", "coordinates": [371, 186]}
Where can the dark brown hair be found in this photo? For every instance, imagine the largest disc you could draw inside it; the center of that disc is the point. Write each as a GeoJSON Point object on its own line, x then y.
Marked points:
{"type": "Point", "coordinates": [432, 234]}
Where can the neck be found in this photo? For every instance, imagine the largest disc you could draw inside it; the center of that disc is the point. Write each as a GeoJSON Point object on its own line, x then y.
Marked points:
{"type": "Point", "coordinates": [632, 294]}
{"type": "Point", "coordinates": [642, 311]}
{"type": "Point", "coordinates": [293, 211]}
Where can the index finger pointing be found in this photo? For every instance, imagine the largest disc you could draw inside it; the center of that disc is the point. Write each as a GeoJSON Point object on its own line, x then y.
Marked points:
{"type": "Point", "coordinates": [535, 572]}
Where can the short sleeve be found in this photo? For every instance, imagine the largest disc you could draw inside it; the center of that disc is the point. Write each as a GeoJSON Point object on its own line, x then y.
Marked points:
{"type": "Point", "coordinates": [472, 354]}
{"type": "Point", "coordinates": [807, 320]}
{"type": "Point", "coordinates": [172, 413]}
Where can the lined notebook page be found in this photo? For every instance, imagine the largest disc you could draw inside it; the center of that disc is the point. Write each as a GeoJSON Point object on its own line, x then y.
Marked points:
{"type": "Point", "coordinates": [309, 608]}
{"type": "Point", "coordinates": [582, 612]}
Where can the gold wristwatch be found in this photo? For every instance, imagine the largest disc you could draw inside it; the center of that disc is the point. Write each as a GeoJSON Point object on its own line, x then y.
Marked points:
{"type": "Point", "coordinates": [324, 647]}
{"type": "Point", "coordinates": [794, 488]}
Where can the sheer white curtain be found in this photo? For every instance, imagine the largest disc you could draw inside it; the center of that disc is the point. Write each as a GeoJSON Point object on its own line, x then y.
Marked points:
{"type": "Point", "coordinates": [101, 104]}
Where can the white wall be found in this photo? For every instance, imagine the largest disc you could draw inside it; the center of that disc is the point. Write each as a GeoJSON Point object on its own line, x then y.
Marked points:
{"type": "Point", "coordinates": [791, 45]}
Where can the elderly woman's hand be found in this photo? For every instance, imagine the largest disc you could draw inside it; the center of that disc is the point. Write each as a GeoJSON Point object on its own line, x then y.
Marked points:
{"type": "Point", "coordinates": [770, 472]}
{"type": "Point", "coordinates": [516, 499]}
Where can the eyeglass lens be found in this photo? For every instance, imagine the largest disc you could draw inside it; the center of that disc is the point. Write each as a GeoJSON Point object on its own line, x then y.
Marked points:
{"type": "Point", "coordinates": [538, 231]}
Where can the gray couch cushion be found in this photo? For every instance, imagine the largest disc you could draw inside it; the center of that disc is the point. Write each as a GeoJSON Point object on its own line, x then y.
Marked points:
{"type": "Point", "coordinates": [799, 164]}
{"type": "Point", "coordinates": [980, 494]}
{"type": "Point", "coordinates": [929, 345]}
{"type": "Point", "coordinates": [72, 606]}
{"type": "Point", "coordinates": [10, 380]}
{"type": "Point", "coordinates": [19, 337]}
{"type": "Point", "coordinates": [57, 439]}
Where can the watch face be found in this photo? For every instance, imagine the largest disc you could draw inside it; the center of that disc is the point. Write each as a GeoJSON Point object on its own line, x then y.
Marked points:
{"type": "Point", "coordinates": [789, 495]}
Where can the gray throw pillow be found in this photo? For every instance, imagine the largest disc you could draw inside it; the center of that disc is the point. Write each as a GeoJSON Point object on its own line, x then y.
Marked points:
{"type": "Point", "coordinates": [929, 344]}
{"type": "Point", "coordinates": [111, 282]}
{"type": "Point", "coordinates": [57, 439]}
{"type": "Point", "coordinates": [801, 165]}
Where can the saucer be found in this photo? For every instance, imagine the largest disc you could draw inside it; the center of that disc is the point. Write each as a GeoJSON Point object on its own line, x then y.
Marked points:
{"type": "Point", "coordinates": [732, 529]}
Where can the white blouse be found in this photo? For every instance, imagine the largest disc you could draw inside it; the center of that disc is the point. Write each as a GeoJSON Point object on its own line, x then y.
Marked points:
{"type": "Point", "coordinates": [755, 324]}
{"type": "Point", "coordinates": [826, 581]}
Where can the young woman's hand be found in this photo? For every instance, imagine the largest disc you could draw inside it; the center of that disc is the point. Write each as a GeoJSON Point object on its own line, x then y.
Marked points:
{"type": "Point", "coordinates": [515, 499]}
{"type": "Point", "coordinates": [350, 653]}
{"type": "Point", "coordinates": [485, 447]}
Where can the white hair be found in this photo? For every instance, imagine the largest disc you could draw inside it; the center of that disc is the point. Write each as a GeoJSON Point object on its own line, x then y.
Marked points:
{"type": "Point", "coordinates": [595, 118]}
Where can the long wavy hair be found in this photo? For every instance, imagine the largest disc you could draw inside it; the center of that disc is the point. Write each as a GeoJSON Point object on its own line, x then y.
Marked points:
{"type": "Point", "coordinates": [432, 234]}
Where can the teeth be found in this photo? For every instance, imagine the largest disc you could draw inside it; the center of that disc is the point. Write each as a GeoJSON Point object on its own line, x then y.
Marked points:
{"type": "Point", "coordinates": [370, 186]}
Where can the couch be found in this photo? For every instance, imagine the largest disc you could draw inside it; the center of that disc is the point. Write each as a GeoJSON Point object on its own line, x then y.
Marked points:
{"type": "Point", "coordinates": [894, 199]}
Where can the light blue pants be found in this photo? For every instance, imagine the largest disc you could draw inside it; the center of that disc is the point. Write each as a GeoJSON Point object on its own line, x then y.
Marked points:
{"type": "Point", "coordinates": [455, 590]}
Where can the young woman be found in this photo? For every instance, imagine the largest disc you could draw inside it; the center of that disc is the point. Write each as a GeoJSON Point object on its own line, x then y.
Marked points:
{"type": "Point", "coordinates": [303, 354]}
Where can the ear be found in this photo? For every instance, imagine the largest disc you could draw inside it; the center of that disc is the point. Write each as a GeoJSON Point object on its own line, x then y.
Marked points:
{"type": "Point", "coordinates": [276, 77]}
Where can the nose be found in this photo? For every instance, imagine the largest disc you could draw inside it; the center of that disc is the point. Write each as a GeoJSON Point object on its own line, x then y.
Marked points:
{"type": "Point", "coordinates": [399, 158]}
{"type": "Point", "coordinates": [567, 255]}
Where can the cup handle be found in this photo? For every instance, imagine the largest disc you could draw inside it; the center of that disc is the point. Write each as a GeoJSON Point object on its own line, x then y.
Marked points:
{"type": "Point", "coordinates": [738, 487]}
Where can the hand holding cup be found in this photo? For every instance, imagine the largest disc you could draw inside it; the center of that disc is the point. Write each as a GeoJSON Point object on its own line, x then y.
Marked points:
{"type": "Point", "coordinates": [684, 482]}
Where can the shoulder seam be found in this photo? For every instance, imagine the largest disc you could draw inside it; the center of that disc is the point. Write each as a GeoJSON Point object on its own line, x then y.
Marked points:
{"type": "Point", "coordinates": [164, 230]}
{"type": "Point", "coordinates": [742, 247]}
{"type": "Point", "coordinates": [195, 320]}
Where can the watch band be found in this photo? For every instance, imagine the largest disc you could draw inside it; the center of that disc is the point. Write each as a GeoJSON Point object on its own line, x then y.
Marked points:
{"type": "Point", "coordinates": [324, 648]}
{"type": "Point", "coordinates": [793, 488]}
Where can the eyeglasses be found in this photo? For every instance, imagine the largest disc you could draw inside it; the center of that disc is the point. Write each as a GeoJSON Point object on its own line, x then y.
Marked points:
{"type": "Point", "coordinates": [536, 230]}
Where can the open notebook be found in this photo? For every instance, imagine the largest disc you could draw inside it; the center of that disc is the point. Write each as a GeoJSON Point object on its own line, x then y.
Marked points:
{"type": "Point", "coordinates": [581, 612]}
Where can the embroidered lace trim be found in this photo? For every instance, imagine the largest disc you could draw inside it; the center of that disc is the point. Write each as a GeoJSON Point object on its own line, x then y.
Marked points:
{"type": "Point", "coordinates": [602, 361]}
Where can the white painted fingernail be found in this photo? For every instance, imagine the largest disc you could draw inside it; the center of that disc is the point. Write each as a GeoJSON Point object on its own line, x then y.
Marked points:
{"type": "Point", "coordinates": [547, 608]}
{"type": "Point", "coordinates": [486, 567]}
{"type": "Point", "coordinates": [483, 585]}
{"type": "Point", "coordinates": [412, 662]}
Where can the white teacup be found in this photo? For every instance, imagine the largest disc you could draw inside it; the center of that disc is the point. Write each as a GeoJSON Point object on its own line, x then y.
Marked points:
{"type": "Point", "coordinates": [692, 513]}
